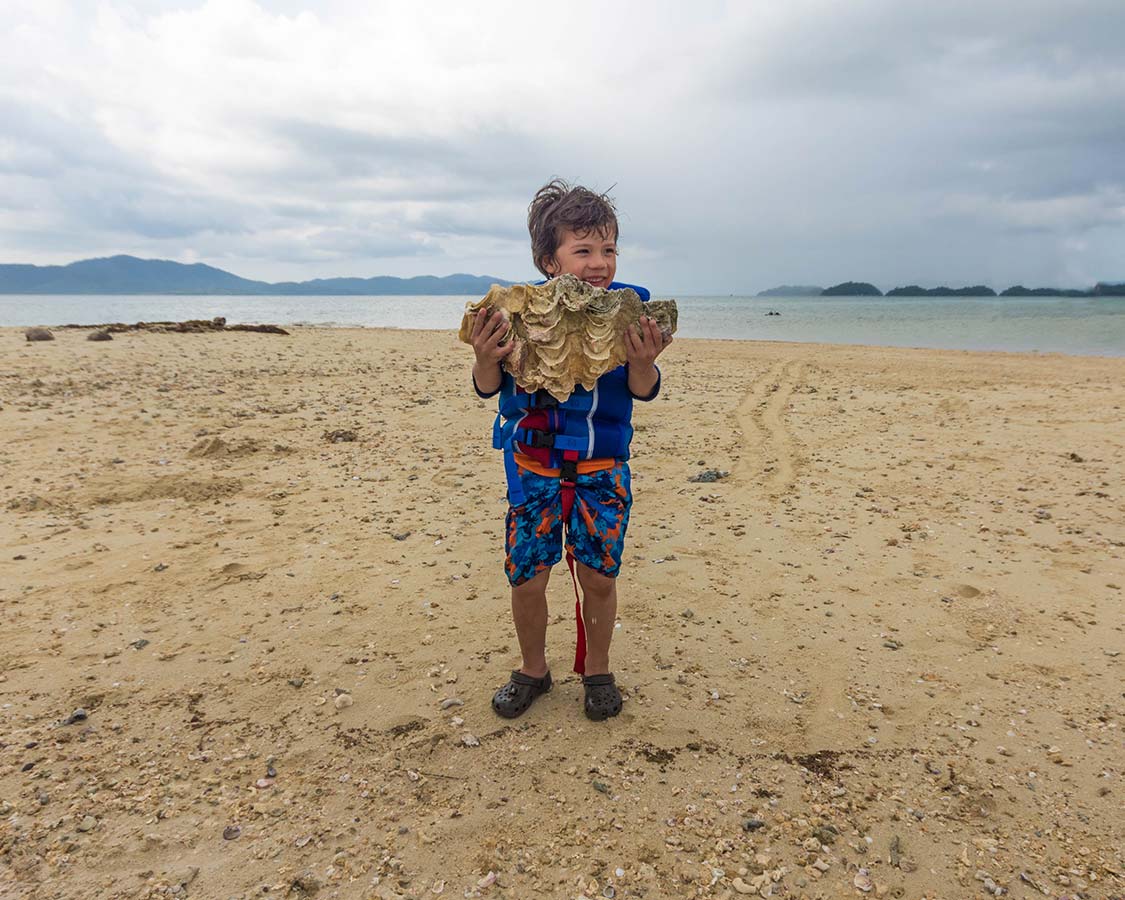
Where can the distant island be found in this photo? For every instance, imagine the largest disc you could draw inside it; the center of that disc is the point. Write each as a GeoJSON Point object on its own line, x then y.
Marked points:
{"type": "Point", "coordinates": [852, 289]}
{"type": "Point", "coordinates": [130, 275]}
{"type": "Point", "coordinates": [912, 290]}
{"type": "Point", "coordinates": [866, 289]}
{"type": "Point", "coordinates": [1020, 291]}
{"type": "Point", "coordinates": [793, 290]}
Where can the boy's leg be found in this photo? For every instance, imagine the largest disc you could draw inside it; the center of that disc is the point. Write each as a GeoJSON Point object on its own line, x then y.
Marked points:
{"type": "Point", "coordinates": [529, 613]}
{"type": "Point", "coordinates": [599, 611]}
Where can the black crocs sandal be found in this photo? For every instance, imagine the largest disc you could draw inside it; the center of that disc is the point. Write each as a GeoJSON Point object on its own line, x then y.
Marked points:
{"type": "Point", "coordinates": [603, 699]}
{"type": "Point", "coordinates": [514, 698]}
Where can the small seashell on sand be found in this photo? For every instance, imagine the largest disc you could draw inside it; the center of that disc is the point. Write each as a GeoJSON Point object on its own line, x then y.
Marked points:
{"type": "Point", "coordinates": [863, 881]}
{"type": "Point", "coordinates": [488, 881]}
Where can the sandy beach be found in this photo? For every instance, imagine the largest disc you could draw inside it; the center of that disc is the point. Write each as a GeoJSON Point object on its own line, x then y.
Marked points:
{"type": "Point", "coordinates": [245, 655]}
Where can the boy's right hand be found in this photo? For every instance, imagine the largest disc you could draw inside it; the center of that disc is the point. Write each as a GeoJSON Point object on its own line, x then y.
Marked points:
{"type": "Point", "coordinates": [489, 330]}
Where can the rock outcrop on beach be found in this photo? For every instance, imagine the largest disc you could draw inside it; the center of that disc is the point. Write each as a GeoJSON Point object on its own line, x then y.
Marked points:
{"type": "Point", "coordinates": [191, 326]}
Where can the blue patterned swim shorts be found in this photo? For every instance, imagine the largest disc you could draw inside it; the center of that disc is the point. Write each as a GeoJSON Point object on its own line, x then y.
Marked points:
{"type": "Point", "coordinates": [596, 532]}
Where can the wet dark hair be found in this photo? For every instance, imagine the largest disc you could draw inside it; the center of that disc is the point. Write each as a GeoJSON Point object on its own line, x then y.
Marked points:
{"type": "Point", "coordinates": [556, 206]}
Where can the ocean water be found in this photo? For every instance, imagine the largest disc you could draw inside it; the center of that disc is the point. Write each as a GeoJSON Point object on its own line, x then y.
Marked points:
{"type": "Point", "coordinates": [1079, 326]}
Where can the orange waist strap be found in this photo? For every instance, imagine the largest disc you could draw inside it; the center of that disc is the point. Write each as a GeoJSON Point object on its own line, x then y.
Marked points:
{"type": "Point", "coordinates": [585, 466]}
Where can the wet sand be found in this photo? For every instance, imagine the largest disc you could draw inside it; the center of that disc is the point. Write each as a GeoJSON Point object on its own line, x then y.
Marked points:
{"type": "Point", "coordinates": [882, 653]}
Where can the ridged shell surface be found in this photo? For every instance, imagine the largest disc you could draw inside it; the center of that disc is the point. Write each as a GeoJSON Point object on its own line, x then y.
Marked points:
{"type": "Point", "coordinates": [566, 331]}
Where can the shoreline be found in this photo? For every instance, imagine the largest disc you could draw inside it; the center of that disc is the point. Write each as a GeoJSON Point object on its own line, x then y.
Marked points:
{"type": "Point", "coordinates": [446, 332]}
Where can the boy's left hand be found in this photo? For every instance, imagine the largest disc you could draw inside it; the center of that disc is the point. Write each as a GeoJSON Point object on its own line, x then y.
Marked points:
{"type": "Point", "coordinates": [644, 342]}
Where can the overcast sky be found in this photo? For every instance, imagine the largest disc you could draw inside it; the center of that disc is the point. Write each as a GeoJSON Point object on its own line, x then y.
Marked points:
{"type": "Point", "coordinates": [748, 144]}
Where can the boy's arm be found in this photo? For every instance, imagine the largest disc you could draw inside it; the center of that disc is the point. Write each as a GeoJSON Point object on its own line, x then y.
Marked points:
{"type": "Point", "coordinates": [643, 343]}
{"type": "Point", "coordinates": [486, 379]}
{"type": "Point", "coordinates": [644, 384]}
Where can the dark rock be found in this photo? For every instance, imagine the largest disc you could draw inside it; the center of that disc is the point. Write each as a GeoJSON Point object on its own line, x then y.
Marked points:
{"type": "Point", "coordinates": [260, 329]}
{"type": "Point", "coordinates": [79, 715]}
{"type": "Point", "coordinates": [340, 436]}
{"type": "Point", "coordinates": [99, 336]}
{"type": "Point", "coordinates": [305, 885]}
{"type": "Point", "coordinates": [709, 475]}
{"type": "Point", "coordinates": [752, 824]}
{"type": "Point", "coordinates": [38, 334]}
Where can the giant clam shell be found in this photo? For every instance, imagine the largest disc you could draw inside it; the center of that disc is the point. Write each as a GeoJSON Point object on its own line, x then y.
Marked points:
{"type": "Point", "coordinates": [567, 332]}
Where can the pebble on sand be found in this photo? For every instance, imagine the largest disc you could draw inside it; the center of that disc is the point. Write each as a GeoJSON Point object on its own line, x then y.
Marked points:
{"type": "Point", "coordinates": [79, 715]}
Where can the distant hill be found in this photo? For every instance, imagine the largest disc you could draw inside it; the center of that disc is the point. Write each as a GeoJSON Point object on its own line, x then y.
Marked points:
{"type": "Point", "coordinates": [130, 275]}
{"type": "Point", "coordinates": [852, 289]}
{"type": "Point", "coordinates": [1020, 291]}
{"type": "Point", "coordinates": [912, 290]}
{"type": "Point", "coordinates": [792, 290]}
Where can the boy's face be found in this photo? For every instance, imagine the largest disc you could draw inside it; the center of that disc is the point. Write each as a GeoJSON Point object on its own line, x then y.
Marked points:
{"type": "Point", "coordinates": [590, 255]}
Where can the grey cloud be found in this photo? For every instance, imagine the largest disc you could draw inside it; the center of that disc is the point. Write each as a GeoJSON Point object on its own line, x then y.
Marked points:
{"type": "Point", "coordinates": [455, 168]}
{"type": "Point", "coordinates": [888, 141]}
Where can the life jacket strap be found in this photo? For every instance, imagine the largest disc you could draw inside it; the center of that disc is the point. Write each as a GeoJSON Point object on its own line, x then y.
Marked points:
{"type": "Point", "coordinates": [568, 481]}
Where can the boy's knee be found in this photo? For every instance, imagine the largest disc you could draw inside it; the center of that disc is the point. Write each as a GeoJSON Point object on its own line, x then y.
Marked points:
{"type": "Point", "coordinates": [594, 583]}
{"type": "Point", "coordinates": [532, 589]}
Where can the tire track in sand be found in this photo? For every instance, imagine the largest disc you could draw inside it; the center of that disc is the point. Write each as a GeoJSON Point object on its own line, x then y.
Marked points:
{"type": "Point", "coordinates": [772, 459]}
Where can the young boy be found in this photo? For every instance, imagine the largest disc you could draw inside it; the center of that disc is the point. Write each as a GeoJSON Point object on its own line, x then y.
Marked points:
{"type": "Point", "coordinates": [573, 231]}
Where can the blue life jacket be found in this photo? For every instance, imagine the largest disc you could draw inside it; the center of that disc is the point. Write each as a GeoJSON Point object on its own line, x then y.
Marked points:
{"type": "Point", "coordinates": [596, 424]}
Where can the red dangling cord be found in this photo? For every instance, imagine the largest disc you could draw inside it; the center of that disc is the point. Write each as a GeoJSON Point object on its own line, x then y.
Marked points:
{"type": "Point", "coordinates": [568, 491]}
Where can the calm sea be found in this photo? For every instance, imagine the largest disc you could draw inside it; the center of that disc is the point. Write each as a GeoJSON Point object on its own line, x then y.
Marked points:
{"type": "Point", "coordinates": [1043, 324]}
